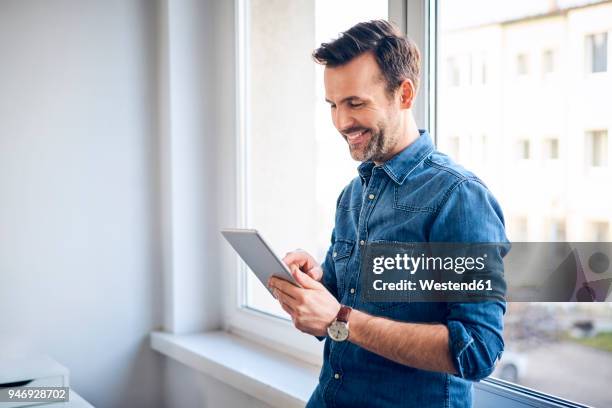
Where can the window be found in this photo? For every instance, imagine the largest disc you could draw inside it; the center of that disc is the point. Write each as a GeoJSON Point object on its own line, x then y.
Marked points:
{"type": "Point", "coordinates": [469, 71]}
{"type": "Point", "coordinates": [522, 62]}
{"type": "Point", "coordinates": [483, 70]}
{"type": "Point", "coordinates": [524, 149]}
{"type": "Point", "coordinates": [597, 52]}
{"type": "Point", "coordinates": [551, 149]}
{"type": "Point", "coordinates": [597, 148]}
{"type": "Point", "coordinates": [289, 135]}
{"type": "Point", "coordinates": [454, 146]}
{"type": "Point", "coordinates": [550, 347]}
{"type": "Point", "coordinates": [519, 232]}
{"type": "Point", "coordinates": [555, 230]}
{"type": "Point", "coordinates": [548, 61]}
{"type": "Point", "coordinates": [599, 231]}
{"type": "Point", "coordinates": [479, 148]}
{"type": "Point", "coordinates": [453, 72]}
{"type": "Point", "coordinates": [279, 103]}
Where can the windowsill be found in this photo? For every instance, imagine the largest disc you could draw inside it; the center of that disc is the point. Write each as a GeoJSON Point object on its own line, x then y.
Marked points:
{"type": "Point", "coordinates": [270, 376]}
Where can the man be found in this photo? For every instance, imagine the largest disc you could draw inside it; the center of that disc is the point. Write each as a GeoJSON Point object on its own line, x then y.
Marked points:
{"type": "Point", "coordinates": [392, 354]}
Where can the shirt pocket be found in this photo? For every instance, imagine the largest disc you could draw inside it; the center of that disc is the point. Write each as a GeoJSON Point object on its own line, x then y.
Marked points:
{"type": "Point", "coordinates": [341, 253]}
{"type": "Point", "coordinates": [385, 309]}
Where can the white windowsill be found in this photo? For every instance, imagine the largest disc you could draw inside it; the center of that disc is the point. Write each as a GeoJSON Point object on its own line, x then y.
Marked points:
{"type": "Point", "coordinates": [268, 375]}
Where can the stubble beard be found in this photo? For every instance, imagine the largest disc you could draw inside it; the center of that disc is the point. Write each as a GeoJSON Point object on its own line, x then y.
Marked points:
{"type": "Point", "coordinates": [377, 148]}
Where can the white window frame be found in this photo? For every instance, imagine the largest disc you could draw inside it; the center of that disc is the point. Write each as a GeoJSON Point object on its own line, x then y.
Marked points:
{"type": "Point", "coordinates": [255, 324]}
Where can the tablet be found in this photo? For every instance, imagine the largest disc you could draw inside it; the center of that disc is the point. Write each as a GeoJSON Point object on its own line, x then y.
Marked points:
{"type": "Point", "coordinates": [258, 255]}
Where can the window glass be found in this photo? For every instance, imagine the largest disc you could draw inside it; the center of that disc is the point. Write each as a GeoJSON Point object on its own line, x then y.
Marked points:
{"type": "Point", "coordinates": [597, 148]}
{"type": "Point", "coordinates": [548, 61]}
{"type": "Point", "coordinates": [597, 52]}
{"type": "Point", "coordinates": [558, 348]}
{"type": "Point", "coordinates": [297, 162]}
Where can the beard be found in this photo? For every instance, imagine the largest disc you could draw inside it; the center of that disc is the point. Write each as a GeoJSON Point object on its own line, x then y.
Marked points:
{"type": "Point", "coordinates": [376, 148]}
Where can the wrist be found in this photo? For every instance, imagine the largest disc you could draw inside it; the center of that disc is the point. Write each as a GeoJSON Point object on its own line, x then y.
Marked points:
{"type": "Point", "coordinates": [338, 330]}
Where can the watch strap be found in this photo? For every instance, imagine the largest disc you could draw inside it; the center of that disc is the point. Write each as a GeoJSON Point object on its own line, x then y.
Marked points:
{"type": "Point", "coordinates": [343, 314]}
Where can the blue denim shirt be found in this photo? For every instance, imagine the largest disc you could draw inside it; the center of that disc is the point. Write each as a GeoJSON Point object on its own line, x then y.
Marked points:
{"type": "Point", "coordinates": [420, 195]}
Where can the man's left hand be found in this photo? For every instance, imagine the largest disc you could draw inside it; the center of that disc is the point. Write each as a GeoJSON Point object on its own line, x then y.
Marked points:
{"type": "Point", "coordinates": [312, 307]}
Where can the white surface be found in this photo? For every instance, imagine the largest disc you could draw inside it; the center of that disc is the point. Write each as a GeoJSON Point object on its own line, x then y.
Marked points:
{"type": "Point", "coordinates": [79, 242]}
{"type": "Point", "coordinates": [270, 376]}
{"type": "Point", "coordinates": [33, 368]}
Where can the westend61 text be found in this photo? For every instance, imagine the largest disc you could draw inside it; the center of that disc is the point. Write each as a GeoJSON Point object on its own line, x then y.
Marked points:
{"type": "Point", "coordinates": [430, 284]}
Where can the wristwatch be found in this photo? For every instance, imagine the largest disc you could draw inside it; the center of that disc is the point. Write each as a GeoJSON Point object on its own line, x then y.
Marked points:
{"type": "Point", "coordinates": [339, 329]}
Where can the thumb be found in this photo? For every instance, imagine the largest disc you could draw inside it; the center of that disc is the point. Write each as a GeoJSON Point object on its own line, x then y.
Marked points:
{"type": "Point", "coordinates": [304, 279]}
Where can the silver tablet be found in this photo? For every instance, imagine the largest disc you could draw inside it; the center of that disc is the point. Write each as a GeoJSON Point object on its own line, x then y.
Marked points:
{"type": "Point", "coordinates": [258, 255]}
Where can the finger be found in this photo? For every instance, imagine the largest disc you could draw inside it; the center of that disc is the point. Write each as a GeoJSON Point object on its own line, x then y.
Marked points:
{"type": "Point", "coordinates": [315, 273]}
{"type": "Point", "coordinates": [306, 281]}
{"type": "Point", "coordinates": [285, 299]}
{"type": "Point", "coordinates": [287, 309]}
{"type": "Point", "coordinates": [285, 287]}
{"type": "Point", "coordinates": [273, 281]}
{"type": "Point", "coordinates": [300, 258]}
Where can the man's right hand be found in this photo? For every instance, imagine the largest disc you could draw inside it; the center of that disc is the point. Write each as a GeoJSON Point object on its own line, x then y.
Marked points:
{"type": "Point", "coordinates": [305, 262]}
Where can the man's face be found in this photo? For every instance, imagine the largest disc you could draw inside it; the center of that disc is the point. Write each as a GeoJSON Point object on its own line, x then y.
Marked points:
{"type": "Point", "coordinates": [362, 111]}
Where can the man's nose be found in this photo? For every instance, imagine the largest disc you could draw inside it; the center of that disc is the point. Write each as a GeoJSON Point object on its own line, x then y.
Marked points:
{"type": "Point", "coordinates": [344, 119]}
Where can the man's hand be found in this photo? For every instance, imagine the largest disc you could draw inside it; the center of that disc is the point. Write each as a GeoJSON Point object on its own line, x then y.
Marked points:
{"type": "Point", "coordinates": [312, 307]}
{"type": "Point", "coordinates": [305, 262]}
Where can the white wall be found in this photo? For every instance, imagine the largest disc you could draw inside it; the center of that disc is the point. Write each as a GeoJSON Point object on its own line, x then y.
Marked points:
{"type": "Point", "coordinates": [80, 276]}
{"type": "Point", "coordinates": [85, 107]}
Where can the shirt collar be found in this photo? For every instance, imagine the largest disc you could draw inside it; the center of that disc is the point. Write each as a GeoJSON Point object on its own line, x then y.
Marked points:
{"type": "Point", "coordinates": [403, 163]}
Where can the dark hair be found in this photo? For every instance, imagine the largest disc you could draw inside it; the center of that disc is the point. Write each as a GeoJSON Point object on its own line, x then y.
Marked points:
{"type": "Point", "coordinates": [397, 56]}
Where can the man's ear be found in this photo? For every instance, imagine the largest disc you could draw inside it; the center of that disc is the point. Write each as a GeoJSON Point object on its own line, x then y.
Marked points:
{"type": "Point", "coordinates": [407, 94]}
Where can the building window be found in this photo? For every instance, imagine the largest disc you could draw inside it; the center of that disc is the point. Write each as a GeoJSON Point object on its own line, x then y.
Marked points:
{"type": "Point", "coordinates": [479, 148]}
{"type": "Point", "coordinates": [520, 232]}
{"type": "Point", "coordinates": [597, 52]}
{"type": "Point", "coordinates": [454, 74]}
{"type": "Point", "coordinates": [522, 64]}
{"type": "Point", "coordinates": [597, 148]}
{"type": "Point", "coordinates": [524, 149]}
{"type": "Point", "coordinates": [548, 62]}
{"type": "Point", "coordinates": [551, 149]}
{"type": "Point", "coordinates": [599, 231]}
{"type": "Point", "coordinates": [483, 71]}
{"type": "Point", "coordinates": [555, 230]}
{"type": "Point", "coordinates": [454, 148]}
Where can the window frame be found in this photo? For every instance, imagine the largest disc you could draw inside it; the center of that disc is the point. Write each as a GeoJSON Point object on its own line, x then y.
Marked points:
{"type": "Point", "coordinates": [257, 325]}
{"type": "Point", "coordinates": [418, 19]}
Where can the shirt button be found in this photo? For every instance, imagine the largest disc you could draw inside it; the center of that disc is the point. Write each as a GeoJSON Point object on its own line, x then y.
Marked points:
{"type": "Point", "coordinates": [371, 196]}
{"type": "Point", "coordinates": [334, 254]}
{"type": "Point", "coordinates": [352, 290]}
{"type": "Point", "coordinates": [336, 376]}
{"type": "Point", "coordinates": [362, 242]}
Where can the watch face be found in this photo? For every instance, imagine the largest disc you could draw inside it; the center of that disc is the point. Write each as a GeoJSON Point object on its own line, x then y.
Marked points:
{"type": "Point", "coordinates": [338, 331]}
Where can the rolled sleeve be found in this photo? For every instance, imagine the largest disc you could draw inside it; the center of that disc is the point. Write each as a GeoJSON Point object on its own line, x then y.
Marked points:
{"type": "Point", "coordinates": [475, 337]}
{"type": "Point", "coordinates": [472, 215]}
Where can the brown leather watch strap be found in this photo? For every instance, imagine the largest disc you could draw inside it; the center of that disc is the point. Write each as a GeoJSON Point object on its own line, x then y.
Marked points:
{"type": "Point", "coordinates": [343, 314]}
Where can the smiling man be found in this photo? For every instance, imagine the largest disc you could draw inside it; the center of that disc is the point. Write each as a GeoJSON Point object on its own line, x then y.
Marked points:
{"type": "Point", "coordinates": [392, 354]}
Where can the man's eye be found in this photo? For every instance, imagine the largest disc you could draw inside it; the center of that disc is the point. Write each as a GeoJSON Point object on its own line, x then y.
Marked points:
{"type": "Point", "coordinates": [356, 105]}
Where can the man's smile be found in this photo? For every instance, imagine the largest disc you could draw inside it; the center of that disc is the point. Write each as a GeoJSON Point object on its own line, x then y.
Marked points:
{"type": "Point", "coordinates": [357, 137]}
